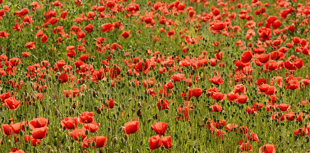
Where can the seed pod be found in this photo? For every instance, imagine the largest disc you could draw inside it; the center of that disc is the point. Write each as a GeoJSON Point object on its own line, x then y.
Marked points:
{"type": "Point", "coordinates": [74, 105]}
{"type": "Point", "coordinates": [114, 140]}
{"type": "Point", "coordinates": [98, 110]}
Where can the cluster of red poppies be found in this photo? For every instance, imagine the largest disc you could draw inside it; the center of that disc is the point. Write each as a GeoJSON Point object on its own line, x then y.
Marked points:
{"type": "Point", "coordinates": [80, 135]}
{"type": "Point", "coordinates": [223, 56]}
{"type": "Point", "coordinates": [37, 125]}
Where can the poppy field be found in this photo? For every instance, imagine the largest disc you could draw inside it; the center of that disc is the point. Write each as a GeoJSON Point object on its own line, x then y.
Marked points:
{"type": "Point", "coordinates": [205, 76]}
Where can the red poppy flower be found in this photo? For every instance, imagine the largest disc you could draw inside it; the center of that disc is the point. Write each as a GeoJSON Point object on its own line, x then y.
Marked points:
{"type": "Point", "coordinates": [271, 19]}
{"type": "Point", "coordinates": [246, 57]}
{"type": "Point", "coordinates": [169, 85]}
{"type": "Point", "coordinates": [241, 99]}
{"type": "Point", "coordinates": [284, 107]}
{"type": "Point", "coordinates": [155, 142]}
{"type": "Point", "coordinates": [22, 13]}
{"type": "Point", "coordinates": [293, 84]}
{"type": "Point", "coordinates": [115, 71]}
{"type": "Point", "coordinates": [268, 148]}
{"type": "Point", "coordinates": [216, 107]}
{"type": "Point", "coordinates": [38, 123]}
{"type": "Point", "coordinates": [301, 132]}
{"type": "Point", "coordinates": [167, 142]}
{"type": "Point", "coordinates": [131, 127]}
{"type": "Point", "coordinates": [63, 15]}
{"type": "Point", "coordinates": [81, 35]}
{"type": "Point", "coordinates": [170, 33]}
{"type": "Point", "coordinates": [219, 26]}
{"type": "Point", "coordinates": [4, 34]}
{"type": "Point", "coordinates": [5, 96]}
{"type": "Point", "coordinates": [107, 27]}
{"type": "Point", "coordinates": [12, 103]}
{"type": "Point", "coordinates": [291, 28]}
{"type": "Point", "coordinates": [239, 88]}
{"type": "Point", "coordinates": [30, 45]}
{"type": "Point", "coordinates": [290, 116]}
{"type": "Point", "coordinates": [86, 117]}
{"type": "Point", "coordinates": [231, 127]}
{"type": "Point", "coordinates": [160, 128]}
{"type": "Point", "coordinates": [196, 92]}
{"type": "Point", "coordinates": [39, 133]}
{"type": "Point", "coordinates": [91, 15]}
{"type": "Point", "coordinates": [213, 61]}
{"type": "Point", "coordinates": [271, 65]}
{"type": "Point", "coordinates": [17, 127]}
{"type": "Point", "coordinates": [245, 147]}
{"type": "Point", "coordinates": [163, 104]}
{"type": "Point", "coordinates": [17, 151]}
{"type": "Point", "coordinates": [91, 127]}
{"type": "Point", "coordinates": [177, 77]}
{"type": "Point", "coordinates": [220, 124]}
{"type": "Point", "coordinates": [89, 28]}
{"type": "Point", "coordinates": [100, 8]}
{"type": "Point", "coordinates": [78, 134]}
{"type": "Point", "coordinates": [14, 61]}
{"type": "Point", "coordinates": [63, 77]}
{"type": "Point", "coordinates": [97, 75]}
{"type": "Point", "coordinates": [125, 34]}
{"type": "Point", "coordinates": [70, 122]}
{"type": "Point", "coordinates": [25, 54]}
{"type": "Point", "coordinates": [17, 27]}
{"type": "Point", "coordinates": [232, 96]}
{"type": "Point", "coordinates": [44, 39]}
{"type": "Point", "coordinates": [218, 96]}
{"type": "Point", "coordinates": [217, 80]}
{"type": "Point", "coordinates": [100, 141]}
{"type": "Point", "coordinates": [84, 57]}
{"type": "Point", "coordinates": [6, 129]}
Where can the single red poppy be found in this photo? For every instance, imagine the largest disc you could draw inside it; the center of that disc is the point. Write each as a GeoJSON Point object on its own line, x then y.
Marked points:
{"type": "Point", "coordinates": [100, 141]}
{"type": "Point", "coordinates": [167, 142]}
{"type": "Point", "coordinates": [177, 77]}
{"type": "Point", "coordinates": [78, 134]}
{"type": "Point", "coordinates": [12, 103]}
{"type": "Point", "coordinates": [155, 142]}
{"type": "Point", "coordinates": [86, 117]}
{"type": "Point", "coordinates": [38, 123]}
{"type": "Point", "coordinates": [245, 147]}
{"type": "Point", "coordinates": [216, 107]}
{"type": "Point", "coordinates": [131, 127]}
{"type": "Point", "coordinates": [218, 96]}
{"type": "Point", "coordinates": [246, 57]}
{"type": "Point", "coordinates": [39, 133]}
{"type": "Point", "coordinates": [91, 127]}
{"type": "Point", "coordinates": [70, 122]}
{"type": "Point", "coordinates": [160, 128]}
{"type": "Point", "coordinates": [268, 148]}
{"type": "Point", "coordinates": [284, 107]}
{"type": "Point", "coordinates": [17, 127]}
{"type": "Point", "coordinates": [30, 45]}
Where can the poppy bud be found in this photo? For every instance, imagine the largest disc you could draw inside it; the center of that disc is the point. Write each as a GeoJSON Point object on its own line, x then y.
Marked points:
{"type": "Point", "coordinates": [139, 112]}
{"type": "Point", "coordinates": [114, 140]}
{"type": "Point", "coordinates": [98, 110]}
{"type": "Point", "coordinates": [72, 111]}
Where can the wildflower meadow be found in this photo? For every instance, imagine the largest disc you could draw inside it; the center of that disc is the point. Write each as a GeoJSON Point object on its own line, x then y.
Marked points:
{"type": "Point", "coordinates": [179, 76]}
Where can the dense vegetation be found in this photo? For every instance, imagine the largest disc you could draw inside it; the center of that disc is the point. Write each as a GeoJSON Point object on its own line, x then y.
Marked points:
{"type": "Point", "coordinates": [154, 76]}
